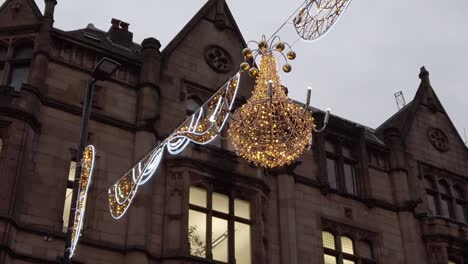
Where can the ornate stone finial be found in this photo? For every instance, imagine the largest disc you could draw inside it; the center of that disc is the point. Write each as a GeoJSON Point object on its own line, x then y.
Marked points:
{"type": "Point", "coordinates": [151, 43]}
{"type": "Point", "coordinates": [423, 74]}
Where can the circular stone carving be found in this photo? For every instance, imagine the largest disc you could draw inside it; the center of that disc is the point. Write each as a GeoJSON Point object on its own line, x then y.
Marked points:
{"type": "Point", "coordinates": [438, 139]}
{"type": "Point", "coordinates": [218, 58]}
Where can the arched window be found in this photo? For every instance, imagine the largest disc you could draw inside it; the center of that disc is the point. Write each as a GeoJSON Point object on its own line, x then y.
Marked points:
{"type": "Point", "coordinates": [22, 55]}
{"type": "Point", "coordinates": [347, 245]}
{"type": "Point", "coordinates": [461, 210]}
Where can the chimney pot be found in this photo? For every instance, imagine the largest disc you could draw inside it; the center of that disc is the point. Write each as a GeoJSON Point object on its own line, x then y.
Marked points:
{"type": "Point", "coordinates": [124, 25]}
{"type": "Point", "coordinates": [115, 23]}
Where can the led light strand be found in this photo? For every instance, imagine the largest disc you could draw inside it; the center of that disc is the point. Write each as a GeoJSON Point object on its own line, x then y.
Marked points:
{"type": "Point", "coordinates": [318, 17]}
{"type": "Point", "coordinates": [201, 128]}
{"type": "Point", "coordinates": [87, 167]}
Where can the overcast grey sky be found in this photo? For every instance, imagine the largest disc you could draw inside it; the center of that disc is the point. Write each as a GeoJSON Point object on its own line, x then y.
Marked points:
{"type": "Point", "coordinates": [375, 50]}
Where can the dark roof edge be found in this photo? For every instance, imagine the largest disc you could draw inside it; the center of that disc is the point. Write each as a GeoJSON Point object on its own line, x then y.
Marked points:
{"type": "Point", "coordinates": [174, 43]}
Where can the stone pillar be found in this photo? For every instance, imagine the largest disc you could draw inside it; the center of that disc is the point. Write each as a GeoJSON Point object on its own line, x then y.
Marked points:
{"type": "Point", "coordinates": [401, 194]}
{"type": "Point", "coordinates": [287, 218]}
{"type": "Point", "coordinates": [140, 215]}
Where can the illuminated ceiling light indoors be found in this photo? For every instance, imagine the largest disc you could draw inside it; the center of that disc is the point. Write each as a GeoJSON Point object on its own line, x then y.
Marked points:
{"type": "Point", "coordinates": [270, 130]}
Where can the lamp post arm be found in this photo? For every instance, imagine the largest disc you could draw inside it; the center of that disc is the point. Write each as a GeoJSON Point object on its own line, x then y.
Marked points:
{"type": "Point", "coordinates": [79, 156]}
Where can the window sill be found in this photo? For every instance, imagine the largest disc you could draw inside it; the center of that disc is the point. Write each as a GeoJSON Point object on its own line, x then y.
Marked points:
{"type": "Point", "coordinates": [445, 219]}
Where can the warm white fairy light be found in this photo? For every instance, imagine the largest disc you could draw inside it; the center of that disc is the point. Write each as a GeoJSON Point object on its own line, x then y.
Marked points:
{"type": "Point", "coordinates": [201, 128]}
{"type": "Point", "coordinates": [87, 167]}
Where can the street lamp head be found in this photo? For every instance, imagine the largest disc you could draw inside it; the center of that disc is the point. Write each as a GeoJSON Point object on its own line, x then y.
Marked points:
{"type": "Point", "coordinates": [104, 69]}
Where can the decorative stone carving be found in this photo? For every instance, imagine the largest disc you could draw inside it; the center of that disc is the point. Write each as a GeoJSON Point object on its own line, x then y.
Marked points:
{"type": "Point", "coordinates": [218, 58]}
{"type": "Point", "coordinates": [438, 139]}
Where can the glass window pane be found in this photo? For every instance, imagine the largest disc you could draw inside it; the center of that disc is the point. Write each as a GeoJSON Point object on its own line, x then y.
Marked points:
{"type": "Point", "coordinates": [66, 208]}
{"type": "Point", "coordinates": [220, 239]}
{"type": "Point", "coordinates": [431, 204]}
{"type": "Point", "coordinates": [328, 240]}
{"type": "Point", "coordinates": [451, 262]}
{"type": "Point", "coordinates": [430, 184]}
{"type": "Point", "coordinates": [329, 146]}
{"type": "Point", "coordinates": [242, 208]}
{"type": "Point", "coordinates": [329, 259]}
{"type": "Point", "coordinates": [444, 188]}
{"type": "Point", "coordinates": [197, 233]}
{"type": "Point", "coordinates": [71, 171]}
{"type": "Point", "coordinates": [461, 212]}
{"type": "Point", "coordinates": [347, 153]}
{"type": "Point", "coordinates": [3, 52]}
{"type": "Point", "coordinates": [365, 249]}
{"type": "Point", "coordinates": [242, 243]}
{"type": "Point", "coordinates": [458, 193]}
{"type": "Point", "coordinates": [347, 245]}
{"type": "Point", "coordinates": [445, 208]}
{"type": "Point", "coordinates": [197, 196]}
{"type": "Point", "coordinates": [18, 75]}
{"type": "Point", "coordinates": [193, 105]}
{"type": "Point", "coordinates": [331, 173]}
{"type": "Point", "coordinates": [350, 179]}
{"type": "Point", "coordinates": [24, 51]}
{"type": "Point", "coordinates": [345, 261]}
{"type": "Point", "coordinates": [220, 203]}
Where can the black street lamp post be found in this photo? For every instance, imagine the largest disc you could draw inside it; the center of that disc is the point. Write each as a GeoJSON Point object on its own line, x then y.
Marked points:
{"type": "Point", "coordinates": [103, 70]}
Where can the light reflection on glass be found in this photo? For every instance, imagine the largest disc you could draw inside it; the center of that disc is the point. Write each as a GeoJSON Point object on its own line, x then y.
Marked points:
{"type": "Point", "coordinates": [197, 196]}
{"type": "Point", "coordinates": [242, 208]}
{"type": "Point", "coordinates": [197, 233]}
{"type": "Point", "coordinates": [242, 243]}
{"type": "Point", "coordinates": [220, 203]}
{"type": "Point", "coordinates": [220, 239]}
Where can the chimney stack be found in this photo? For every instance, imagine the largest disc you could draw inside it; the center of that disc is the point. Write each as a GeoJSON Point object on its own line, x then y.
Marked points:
{"type": "Point", "coordinates": [119, 34]}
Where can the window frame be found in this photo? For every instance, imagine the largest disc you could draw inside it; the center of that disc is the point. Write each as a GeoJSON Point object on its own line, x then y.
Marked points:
{"type": "Point", "coordinates": [443, 192]}
{"type": "Point", "coordinates": [230, 217]}
{"type": "Point", "coordinates": [338, 252]}
{"type": "Point", "coordinates": [341, 160]}
{"type": "Point", "coordinates": [10, 62]}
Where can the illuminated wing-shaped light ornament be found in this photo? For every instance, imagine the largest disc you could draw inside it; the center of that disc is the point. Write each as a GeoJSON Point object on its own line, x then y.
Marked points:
{"type": "Point", "coordinates": [270, 130]}
{"type": "Point", "coordinates": [201, 128]}
{"type": "Point", "coordinates": [87, 167]}
{"type": "Point", "coordinates": [317, 17]}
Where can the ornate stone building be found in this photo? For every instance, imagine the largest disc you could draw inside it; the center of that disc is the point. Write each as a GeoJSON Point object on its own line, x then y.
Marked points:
{"type": "Point", "coordinates": [391, 195]}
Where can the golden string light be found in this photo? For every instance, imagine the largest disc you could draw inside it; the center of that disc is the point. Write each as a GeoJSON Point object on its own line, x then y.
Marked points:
{"type": "Point", "coordinates": [270, 130]}
{"type": "Point", "coordinates": [87, 166]}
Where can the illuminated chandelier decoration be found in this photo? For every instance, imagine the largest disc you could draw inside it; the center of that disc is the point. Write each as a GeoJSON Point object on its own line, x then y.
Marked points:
{"type": "Point", "coordinates": [87, 167]}
{"type": "Point", "coordinates": [270, 130]}
{"type": "Point", "coordinates": [317, 17]}
{"type": "Point", "coordinates": [201, 128]}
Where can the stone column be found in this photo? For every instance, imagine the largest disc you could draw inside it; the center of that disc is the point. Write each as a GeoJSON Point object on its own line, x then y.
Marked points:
{"type": "Point", "coordinates": [401, 193]}
{"type": "Point", "coordinates": [287, 218]}
{"type": "Point", "coordinates": [140, 215]}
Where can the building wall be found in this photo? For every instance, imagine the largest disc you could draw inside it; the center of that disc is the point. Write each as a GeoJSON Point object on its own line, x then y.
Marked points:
{"type": "Point", "coordinates": [142, 103]}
